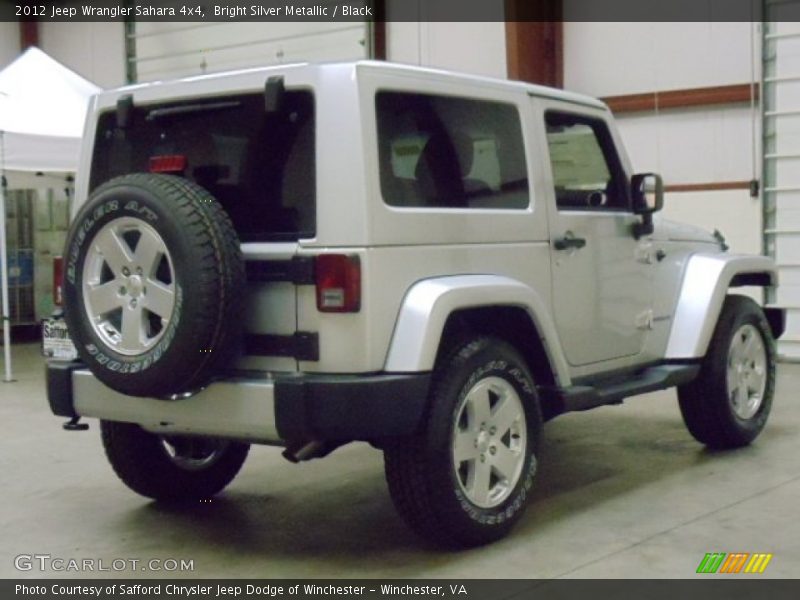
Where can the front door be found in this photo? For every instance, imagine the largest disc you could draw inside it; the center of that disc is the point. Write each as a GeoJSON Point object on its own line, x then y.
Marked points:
{"type": "Point", "coordinates": [602, 289]}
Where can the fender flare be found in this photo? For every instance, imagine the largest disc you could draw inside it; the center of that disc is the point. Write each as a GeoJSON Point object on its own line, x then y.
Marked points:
{"type": "Point", "coordinates": [706, 280]}
{"type": "Point", "coordinates": [428, 304]}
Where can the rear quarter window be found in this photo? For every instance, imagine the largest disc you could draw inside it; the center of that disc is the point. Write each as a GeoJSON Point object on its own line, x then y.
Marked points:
{"type": "Point", "coordinates": [448, 152]}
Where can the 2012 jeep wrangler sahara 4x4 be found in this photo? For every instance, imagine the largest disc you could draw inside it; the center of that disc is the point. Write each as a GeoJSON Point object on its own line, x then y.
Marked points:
{"type": "Point", "coordinates": [306, 256]}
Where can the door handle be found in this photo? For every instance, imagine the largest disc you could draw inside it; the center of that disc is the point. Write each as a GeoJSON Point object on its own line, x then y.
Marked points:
{"type": "Point", "coordinates": [569, 241]}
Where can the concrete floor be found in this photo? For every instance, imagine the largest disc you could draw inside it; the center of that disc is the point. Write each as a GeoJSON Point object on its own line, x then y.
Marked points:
{"type": "Point", "coordinates": [623, 492]}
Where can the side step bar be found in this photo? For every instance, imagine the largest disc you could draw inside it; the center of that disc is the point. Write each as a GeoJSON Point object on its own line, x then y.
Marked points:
{"type": "Point", "coordinates": [580, 397]}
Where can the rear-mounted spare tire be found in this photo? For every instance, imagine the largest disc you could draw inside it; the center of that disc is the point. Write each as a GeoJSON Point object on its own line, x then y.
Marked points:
{"type": "Point", "coordinates": [154, 284]}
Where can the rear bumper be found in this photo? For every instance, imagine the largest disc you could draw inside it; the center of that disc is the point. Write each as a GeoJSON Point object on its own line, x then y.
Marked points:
{"type": "Point", "coordinates": [272, 410]}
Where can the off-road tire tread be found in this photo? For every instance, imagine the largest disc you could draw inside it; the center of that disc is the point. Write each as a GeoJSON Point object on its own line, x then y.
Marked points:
{"type": "Point", "coordinates": [143, 466]}
{"type": "Point", "coordinates": [704, 404]}
{"type": "Point", "coordinates": [406, 464]}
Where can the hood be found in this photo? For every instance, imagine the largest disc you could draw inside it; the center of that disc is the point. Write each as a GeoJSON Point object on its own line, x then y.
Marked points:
{"type": "Point", "coordinates": [683, 232]}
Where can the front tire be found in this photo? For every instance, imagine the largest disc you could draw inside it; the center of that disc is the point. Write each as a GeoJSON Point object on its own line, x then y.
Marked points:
{"type": "Point", "coordinates": [727, 406]}
{"type": "Point", "coordinates": [171, 468]}
{"type": "Point", "coordinates": [465, 480]}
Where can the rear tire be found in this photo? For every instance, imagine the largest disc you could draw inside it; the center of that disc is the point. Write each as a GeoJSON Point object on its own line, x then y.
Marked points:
{"type": "Point", "coordinates": [465, 480]}
{"type": "Point", "coordinates": [171, 468]}
{"type": "Point", "coordinates": [728, 404]}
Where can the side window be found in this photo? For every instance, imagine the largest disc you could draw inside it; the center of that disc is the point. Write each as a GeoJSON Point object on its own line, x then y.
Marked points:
{"type": "Point", "coordinates": [587, 173]}
{"type": "Point", "coordinates": [447, 152]}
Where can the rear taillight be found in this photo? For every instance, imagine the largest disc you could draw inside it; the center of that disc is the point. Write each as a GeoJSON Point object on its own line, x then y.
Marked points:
{"type": "Point", "coordinates": [58, 280]}
{"type": "Point", "coordinates": [338, 279]}
{"type": "Point", "coordinates": [170, 163]}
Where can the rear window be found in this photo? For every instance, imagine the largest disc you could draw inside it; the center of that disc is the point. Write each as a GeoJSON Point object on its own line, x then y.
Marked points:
{"type": "Point", "coordinates": [260, 166]}
{"type": "Point", "coordinates": [448, 152]}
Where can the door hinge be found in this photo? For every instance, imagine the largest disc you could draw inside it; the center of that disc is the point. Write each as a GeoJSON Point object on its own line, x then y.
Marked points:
{"type": "Point", "coordinates": [298, 270]}
{"type": "Point", "coordinates": [644, 254]}
{"type": "Point", "coordinates": [644, 320]}
{"type": "Point", "coordinates": [301, 345]}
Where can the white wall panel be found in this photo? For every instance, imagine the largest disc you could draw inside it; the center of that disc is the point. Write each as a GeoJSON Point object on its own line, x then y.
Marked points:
{"type": "Point", "coordinates": [9, 42]}
{"type": "Point", "coordinates": [691, 146]}
{"type": "Point", "coordinates": [478, 48]}
{"type": "Point", "coordinates": [94, 50]}
{"type": "Point", "coordinates": [733, 212]}
{"type": "Point", "coordinates": [97, 51]}
{"type": "Point", "coordinates": [169, 50]}
{"type": "Point", "coordinates": [608, 59]}
{"type": "Point", "coordinates": [403, 40]}
{"type": "Point", "coordinates": [611, 59]}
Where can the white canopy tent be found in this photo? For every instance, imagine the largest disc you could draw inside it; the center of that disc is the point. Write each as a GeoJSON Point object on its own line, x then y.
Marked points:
{"type": "Point", "coordinates": [42, 112]}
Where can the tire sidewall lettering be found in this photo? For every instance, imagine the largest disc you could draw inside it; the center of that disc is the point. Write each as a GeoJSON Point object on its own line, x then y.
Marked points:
{"type": "Point", "coordinates": [478, 374]}
{"type": "Point", "coordinates": [517, 501]}
{"type": "Point", "coordinates": [152, 357]}
{"type": "Point", "coordinates": [88, 222]}
{"type": "Point", "coordinates": [142, 211]}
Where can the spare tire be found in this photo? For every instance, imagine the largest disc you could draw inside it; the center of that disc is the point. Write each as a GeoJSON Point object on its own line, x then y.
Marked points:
{"type": "Point", "coordinates": [154, 284]}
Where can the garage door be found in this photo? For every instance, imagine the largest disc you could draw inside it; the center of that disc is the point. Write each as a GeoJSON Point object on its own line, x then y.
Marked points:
{"type": "Point", "coordinates": [169, 50]}
{"type": "Point", "coordinates": [781, 127]}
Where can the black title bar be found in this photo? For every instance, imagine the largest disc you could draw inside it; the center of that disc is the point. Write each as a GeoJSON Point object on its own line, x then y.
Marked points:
{"type": "Point", "coordinates": [400, 10]}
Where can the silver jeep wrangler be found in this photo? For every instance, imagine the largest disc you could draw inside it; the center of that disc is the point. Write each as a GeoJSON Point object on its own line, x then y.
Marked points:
{"type": "Point", "coordinates": [305, 256]}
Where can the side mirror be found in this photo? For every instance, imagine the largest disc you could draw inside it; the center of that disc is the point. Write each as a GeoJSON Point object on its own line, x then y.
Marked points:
{"type": "Point", "coordinates": [647, 194]}
{"type": "Point", "coordinates": [647, 190]}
